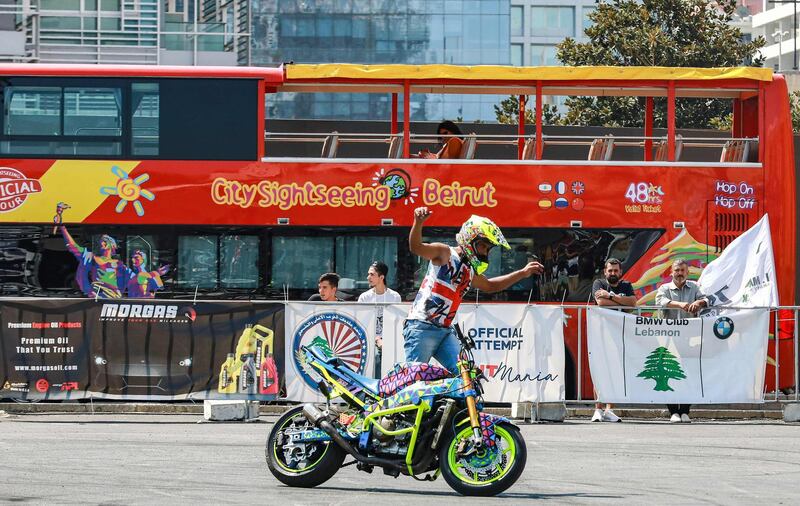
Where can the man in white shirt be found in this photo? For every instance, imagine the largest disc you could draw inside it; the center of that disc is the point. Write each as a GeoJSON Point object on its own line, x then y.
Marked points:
{"type": "Point", "coordinates": [378, 292]}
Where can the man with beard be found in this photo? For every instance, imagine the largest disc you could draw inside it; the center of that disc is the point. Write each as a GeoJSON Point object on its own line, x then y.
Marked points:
{"type": "Point", "coordinates": [611, 291]}
{"type": "Point", "coordinates": [378, 292]}
{"type": "Point", "coordinates": [682, 299]}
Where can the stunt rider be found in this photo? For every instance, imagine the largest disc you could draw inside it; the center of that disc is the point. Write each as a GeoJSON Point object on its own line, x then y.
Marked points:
{"type": "Point", "coordinates": [427, 330]}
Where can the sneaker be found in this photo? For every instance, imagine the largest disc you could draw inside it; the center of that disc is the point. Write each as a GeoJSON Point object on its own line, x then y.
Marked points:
{"type": "Point", "coordinates": [609, 416]}
{"type": "Point", "coordinates": [685, 418]}
{"type": "Point", "coordinates": [675, 418]}
{"type": "Point", "coordinates": [597, 416]}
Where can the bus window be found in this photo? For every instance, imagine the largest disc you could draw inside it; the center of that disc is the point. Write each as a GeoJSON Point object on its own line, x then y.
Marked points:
{"type": "Point", "coordinates": [144, 122]}
{"type": "Point", "coordinates": [32, 110]}
{"type": "Point", "coordinates": [297, 262]}
{"type": "Point", "coordinates": [355, 253]}
{"type": "Point", "coordinates": [146, 244]}
{"type": "Point", "coordinates": [239, 261]}
{"type": "Point", "coordinates": [92, 112]}
{"type": "Point", "coordinates": [197, 261]}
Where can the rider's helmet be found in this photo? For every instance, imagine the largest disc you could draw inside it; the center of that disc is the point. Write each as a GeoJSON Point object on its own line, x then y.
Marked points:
{"type": "Point", "coordinates": [474, 229]}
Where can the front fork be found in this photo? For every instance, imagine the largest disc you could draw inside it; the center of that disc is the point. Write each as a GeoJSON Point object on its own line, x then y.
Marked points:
{"type": "Point", "coordinates": [472, 408]}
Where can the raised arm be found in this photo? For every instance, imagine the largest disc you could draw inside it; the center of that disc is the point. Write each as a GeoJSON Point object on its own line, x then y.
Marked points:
{"type": "Point", "coordinates": [436, 252]}
{"type": "Point", "coordinates": [499, 283]}
{"type": "Point", "coordinates": [72, 246]}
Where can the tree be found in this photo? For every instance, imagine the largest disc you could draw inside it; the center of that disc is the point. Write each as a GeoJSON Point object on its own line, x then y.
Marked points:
{"type": "Point", "coordinates": [507, 112]}
{"type": "Point", "coordinates": [794, 105]}
{"type": "Point", "coordinates": [662, 366]}
{"type": "Point", "coordinates": [671, 33]}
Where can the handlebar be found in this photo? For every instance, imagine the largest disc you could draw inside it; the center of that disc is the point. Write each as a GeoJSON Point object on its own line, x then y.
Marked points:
{"type": "Point", "coordinates": [467, 342]}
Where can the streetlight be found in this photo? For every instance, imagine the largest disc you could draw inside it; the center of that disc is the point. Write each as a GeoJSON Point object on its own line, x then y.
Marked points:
{"type": "Point", "coordinates": [794, 24]}
{"type": "Point", "coordinates": [778, 36]}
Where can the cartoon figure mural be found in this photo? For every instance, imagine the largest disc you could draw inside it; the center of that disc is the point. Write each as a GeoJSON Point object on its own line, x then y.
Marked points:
{"type": "Point", "coordinates": [106, 277]}
{"type": "Point", "coordinates": [140, 282]}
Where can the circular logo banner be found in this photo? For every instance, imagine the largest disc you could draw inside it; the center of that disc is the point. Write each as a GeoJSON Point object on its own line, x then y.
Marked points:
{"type": "Point", "coordinates": [345, 337]}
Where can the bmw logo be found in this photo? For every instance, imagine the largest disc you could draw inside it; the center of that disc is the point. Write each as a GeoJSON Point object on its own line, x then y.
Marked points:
{"type": "Point", "coordinates": [723, 327]}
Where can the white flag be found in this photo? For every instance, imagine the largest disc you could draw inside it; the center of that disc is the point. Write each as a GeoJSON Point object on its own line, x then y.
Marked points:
{"type": "Point", "coordinates": [744, 274]}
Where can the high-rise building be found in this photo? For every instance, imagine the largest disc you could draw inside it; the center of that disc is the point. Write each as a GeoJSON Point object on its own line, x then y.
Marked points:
{"type": "Point", "coordinates": [167, 32]}
{"type": "Point", "coordinates": [469, 32]}
{"type": "Point", "coordinates": [538, 25]}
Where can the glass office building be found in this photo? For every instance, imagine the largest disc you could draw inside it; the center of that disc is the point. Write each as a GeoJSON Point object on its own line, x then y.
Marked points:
{"type": "Point", "coordinates": [381, 31]}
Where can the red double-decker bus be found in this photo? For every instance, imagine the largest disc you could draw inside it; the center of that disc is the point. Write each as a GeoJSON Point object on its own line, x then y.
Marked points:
{"type": "Point", "coordinates": [131, 181]}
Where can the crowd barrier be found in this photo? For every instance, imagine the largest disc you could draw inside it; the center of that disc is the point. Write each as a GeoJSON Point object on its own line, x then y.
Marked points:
{"type": "Point", "coordinates": [66, 349]}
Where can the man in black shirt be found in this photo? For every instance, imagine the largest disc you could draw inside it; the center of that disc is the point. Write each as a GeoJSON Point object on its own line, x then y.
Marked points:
{"type": "Point", "coordinates": [611, 291]}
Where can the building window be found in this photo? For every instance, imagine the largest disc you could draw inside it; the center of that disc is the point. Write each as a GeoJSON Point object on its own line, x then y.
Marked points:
{"type": "Point", "coordinates": [552, 21]}
{"type": "Point", "coordinates": [543, 55]}
{"type": "Point", "coordinates": [517, 21]}
{"type": "Point", "coordinates": [516, 54]}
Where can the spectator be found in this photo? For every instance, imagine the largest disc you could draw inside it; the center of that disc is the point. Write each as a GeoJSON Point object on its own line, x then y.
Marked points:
{"type": "Point", "coordinates": [327, 285]}
{"type": "Point", "coordinates": [683, 299]}
{"type": "Point", "coordinates": [378, 292]}
{"type": "Point", "coordinates": [611, 291]}
{"type": "Point", "coordinates": [450, 139]}
{"type": "Point", "coordinates": [451, 271]}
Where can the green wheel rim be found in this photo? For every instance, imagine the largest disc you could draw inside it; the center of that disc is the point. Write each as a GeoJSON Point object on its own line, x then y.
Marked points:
{"type": "Point", "coordinates": [308, 467]}
{"type": "Point", "coordinates": [459, 468]}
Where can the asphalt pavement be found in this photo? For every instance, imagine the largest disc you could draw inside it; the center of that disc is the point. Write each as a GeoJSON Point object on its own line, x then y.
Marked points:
{"type": "Point", "coordinates": [174, 459]}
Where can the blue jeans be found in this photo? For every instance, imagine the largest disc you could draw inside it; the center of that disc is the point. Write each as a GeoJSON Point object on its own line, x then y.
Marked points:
{"type": "Point", "coordinates": [424, 340]}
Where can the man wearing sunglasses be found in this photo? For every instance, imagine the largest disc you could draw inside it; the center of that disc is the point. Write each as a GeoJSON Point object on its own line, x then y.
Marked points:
{"type": "Point", "coordinates": [427, 331]}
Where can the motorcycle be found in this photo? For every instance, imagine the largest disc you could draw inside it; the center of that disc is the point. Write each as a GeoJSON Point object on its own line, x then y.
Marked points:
{"type": "Point", "coordinates": [419, 420]}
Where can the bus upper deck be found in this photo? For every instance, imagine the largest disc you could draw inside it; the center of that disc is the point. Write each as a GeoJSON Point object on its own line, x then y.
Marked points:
{"type": "Point", "coordinates": [87, 136]}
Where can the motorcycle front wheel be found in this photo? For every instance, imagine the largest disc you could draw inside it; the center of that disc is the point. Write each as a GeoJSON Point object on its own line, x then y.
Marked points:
{"type": "Point", "coordinates": [488, 471]}
{"type": "Point", "coordinates": [300, 464]}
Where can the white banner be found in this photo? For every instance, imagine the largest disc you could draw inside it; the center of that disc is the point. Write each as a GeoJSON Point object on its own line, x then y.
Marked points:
{"type": "Point", "coordinates": [744, 274]}
{"type": "Point", "coordinates": [349, 331]}
{"type": "Point", "coordinates": [519, 347]}
{"type": "Point", "coordinates": [635, 359]}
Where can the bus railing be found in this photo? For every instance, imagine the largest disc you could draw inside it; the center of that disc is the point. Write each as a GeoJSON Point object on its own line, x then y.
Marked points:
{"type": "Point", "coordinates": [732, 149]}
{"type": "Point", "coordinates": [779, 320]}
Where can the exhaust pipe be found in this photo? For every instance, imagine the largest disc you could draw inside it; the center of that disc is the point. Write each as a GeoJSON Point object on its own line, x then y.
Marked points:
{"type": "Point", "coordinates": [316, 417]}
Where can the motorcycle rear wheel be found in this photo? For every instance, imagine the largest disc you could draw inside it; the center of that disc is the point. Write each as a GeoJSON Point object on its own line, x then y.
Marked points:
{"type": "Point", "coordinates": [488, 472]}
{"type": "Point", "coordinates": [302, 465]}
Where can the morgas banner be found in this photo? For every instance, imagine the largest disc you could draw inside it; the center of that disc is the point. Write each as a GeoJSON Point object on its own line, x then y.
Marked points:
{"type": "Point", "coordinates": [140, 350]}
{"type": "Point", "coordinates": [520, 348]}
{"type": "Point", "coordinates": [347, 329]}
{"type": "Point", "coordinates": [637, 359]}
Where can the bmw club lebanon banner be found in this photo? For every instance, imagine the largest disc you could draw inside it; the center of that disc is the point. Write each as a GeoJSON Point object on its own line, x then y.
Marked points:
{"type": "Point", "coordinates": [139, 350]}
{"type": "Point", "coordinates": [637, 359]}
{"type": "Point", "coordinates": [519, 347]}
{"type": "Point", "coordinates": [349, 331]}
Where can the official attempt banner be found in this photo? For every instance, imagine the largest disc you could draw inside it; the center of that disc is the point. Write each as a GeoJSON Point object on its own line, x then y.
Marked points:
{"type": "Point", "coordinates": [637, 359]}
{"type": "Point", "coordinates": [520, 348]}
{"type": "Point", "coordinates": [133, 349]}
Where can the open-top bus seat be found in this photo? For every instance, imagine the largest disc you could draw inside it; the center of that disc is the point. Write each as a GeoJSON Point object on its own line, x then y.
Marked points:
{"type": "Point", "coordinates": [330, 145]}
{"type": "Point", "coordinates": [529, 149]}
{"type": "Point", "coordinates": [661, 149]}
{"type": "Point", "coordinates": [469, 146]}
{"type": "Point", "coordinates": [602, 148]}
{"type": "Point", "coordinates": [734, 151]}
{"type": "Point", "coordinates": [396, 146]}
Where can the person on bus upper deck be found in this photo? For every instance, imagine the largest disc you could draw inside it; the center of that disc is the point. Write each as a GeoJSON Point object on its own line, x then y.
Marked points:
{"type": "Point", "coordinates": [450, 137]}
{"type": "Point", "coordinates": [327, 286]}
{"type": "Point", "coordinates": [427, 331]}
{"type": "Point", "coordinates": [612, 291]}
{"type": "Point", "coordinates": [684, 299]}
